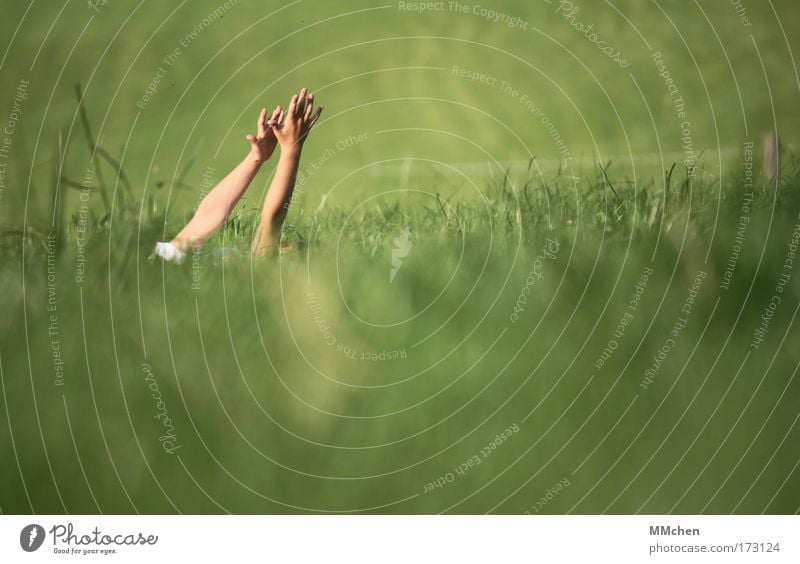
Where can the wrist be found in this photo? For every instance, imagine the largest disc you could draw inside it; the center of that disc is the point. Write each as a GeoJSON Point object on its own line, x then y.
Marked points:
{"type": "Point", "coordinates": [292, 152]}
{"type": "Point", "coordinates": [254, 161]}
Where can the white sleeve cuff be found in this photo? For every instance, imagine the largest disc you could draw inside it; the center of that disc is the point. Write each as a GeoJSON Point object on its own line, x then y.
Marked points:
{"type": "Point", "coordinates": [169, 252]}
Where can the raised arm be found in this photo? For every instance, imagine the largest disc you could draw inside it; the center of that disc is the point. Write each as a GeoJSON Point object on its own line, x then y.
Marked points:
{"type": "Point", "coordinates": [291, 129]}
{"type": "Point", "coordinates": [220, 201]}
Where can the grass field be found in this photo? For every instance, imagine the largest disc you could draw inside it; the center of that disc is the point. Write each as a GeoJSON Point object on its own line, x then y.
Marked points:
{"type": "Point", "coordinates": [471, 317]}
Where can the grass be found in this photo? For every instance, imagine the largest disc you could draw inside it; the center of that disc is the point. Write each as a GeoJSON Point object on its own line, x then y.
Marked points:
{"type": "Point", "coordinates": [309, 382]}
{"type": "Point", "coordinates": [616, 334]}
{"type": "Point", "coordinates": [381, 71]}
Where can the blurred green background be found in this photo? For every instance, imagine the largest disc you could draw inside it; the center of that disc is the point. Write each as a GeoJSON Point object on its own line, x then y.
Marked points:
{"type": "Point", "coordinates": [315, 381]}
{"type": "Point", "coordinates": [380, 68]}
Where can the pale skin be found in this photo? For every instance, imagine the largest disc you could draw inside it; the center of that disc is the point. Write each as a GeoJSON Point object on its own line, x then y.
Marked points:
{"type": "Point", "coordinates": [289, 129]}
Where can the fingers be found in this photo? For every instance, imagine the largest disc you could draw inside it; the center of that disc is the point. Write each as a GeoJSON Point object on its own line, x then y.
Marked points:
{"type": "Point", "coordinates": [293, 106]}
{"type": "Point", "coordinates": [315, 117]}
{"type": "Point", "coordinates": [276, 120]}
{"type": "Point", "coordinates": [309, 107]}
{"type": "Point", "coordinates": [298, 118]}
{"type": "Point", "coordinates": [261, 125]}
{"type": "Point", "coordinates": [275, 117]}
{"type": "Point", "coordinates": [300, 109]}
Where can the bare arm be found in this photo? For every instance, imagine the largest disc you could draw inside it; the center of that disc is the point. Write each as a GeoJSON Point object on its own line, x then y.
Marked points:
{"type": "Point", "coordinates": [276, 204]}
{"type": "Point", "coordinates": [220, 201]}
{"type": "Point", "coordinates": [291, 130]}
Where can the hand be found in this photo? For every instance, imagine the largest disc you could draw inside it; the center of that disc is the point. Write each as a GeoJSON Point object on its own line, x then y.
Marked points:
{"type": "Point", "coordinates": [293, 127]}
{"type": "Point", "coordinates": [262, 147]}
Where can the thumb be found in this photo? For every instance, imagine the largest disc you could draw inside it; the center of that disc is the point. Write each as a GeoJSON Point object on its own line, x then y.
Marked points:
{"type": "Point", "coordinates": [251, 139]}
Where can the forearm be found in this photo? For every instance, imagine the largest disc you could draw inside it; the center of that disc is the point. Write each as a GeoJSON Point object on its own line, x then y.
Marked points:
{"type": "Point", "coordinates": [276, 203]}
{"type": "Point", "coordinates": [217, 205]}
{"type": "Point", "coordinates": [280, 190]}
{"type": "Point", "coordinates": [291, 129]}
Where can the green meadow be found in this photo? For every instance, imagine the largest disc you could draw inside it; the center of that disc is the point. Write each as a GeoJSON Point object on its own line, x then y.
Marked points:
{"type": "Point", "coordinates": [537, 260]}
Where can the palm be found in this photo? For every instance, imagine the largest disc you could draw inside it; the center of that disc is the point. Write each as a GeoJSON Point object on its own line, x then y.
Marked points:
{"type": "Point", "coordinates": [292, 127]}
{"type": "Point", "coordinates": [263, 145]}
{"type": "Point", "coordinates": [263, 148]}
